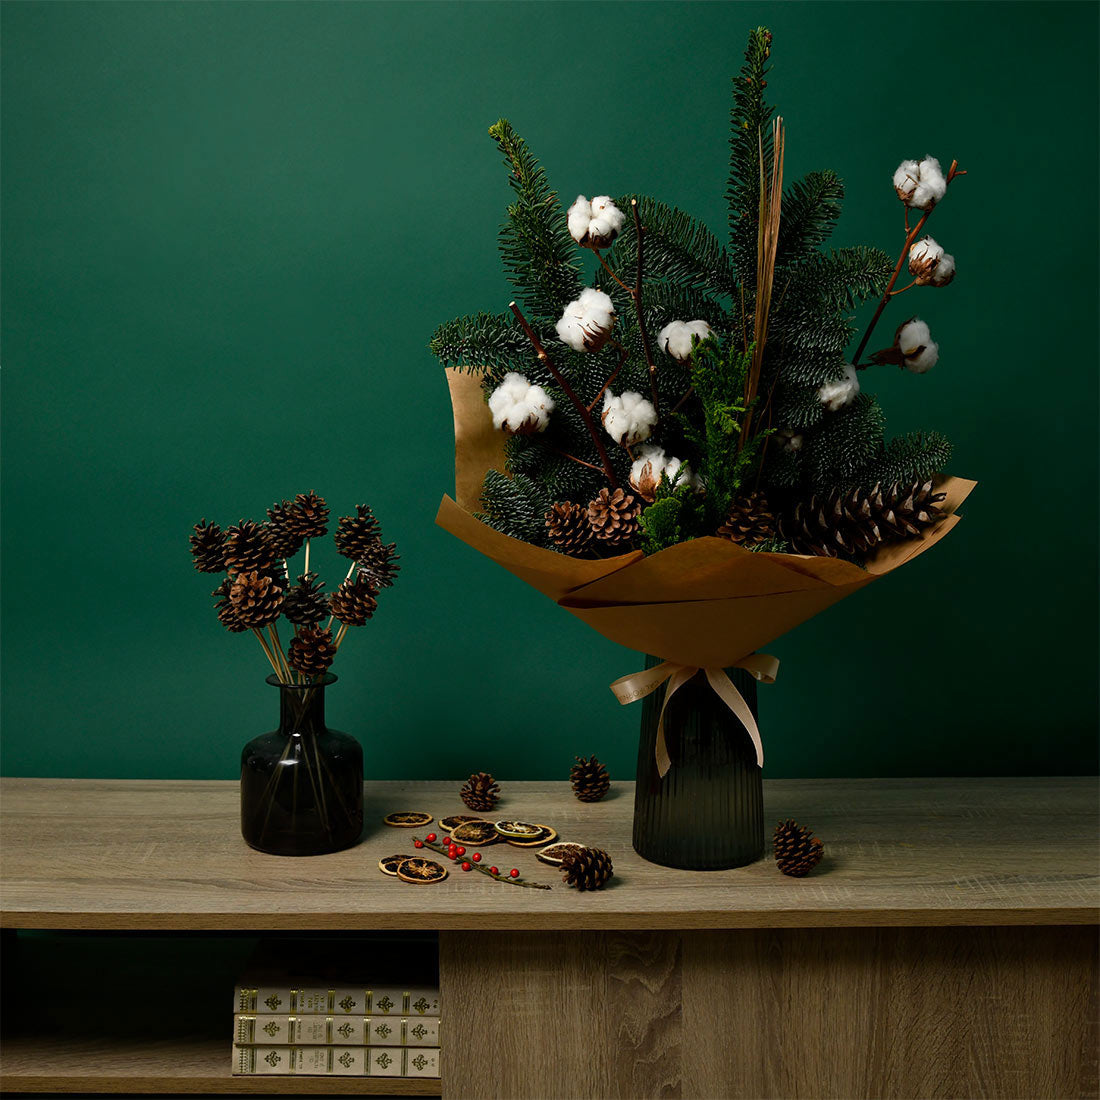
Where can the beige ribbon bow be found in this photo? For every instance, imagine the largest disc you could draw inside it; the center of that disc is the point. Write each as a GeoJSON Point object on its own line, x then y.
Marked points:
{"type": "Point", "coordinates": [638, 685]}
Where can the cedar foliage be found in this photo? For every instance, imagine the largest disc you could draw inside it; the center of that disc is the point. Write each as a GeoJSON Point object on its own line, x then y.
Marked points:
{"type": "Point", "coordinates": [689, 273]}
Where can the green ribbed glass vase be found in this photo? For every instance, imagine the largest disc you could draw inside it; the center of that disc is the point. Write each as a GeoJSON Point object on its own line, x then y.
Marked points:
{"type": "Point", "coordinates": [707, 812]}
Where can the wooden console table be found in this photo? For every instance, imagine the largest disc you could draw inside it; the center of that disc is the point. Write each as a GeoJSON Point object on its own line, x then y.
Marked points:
{"type": "Point", "coordinates": [946, 947]}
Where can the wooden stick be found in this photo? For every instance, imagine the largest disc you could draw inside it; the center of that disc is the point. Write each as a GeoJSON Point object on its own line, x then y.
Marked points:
{"type": "Point", "coordinates": [569, 392]}
{"type": "Point", "coordinates": [603, 263]}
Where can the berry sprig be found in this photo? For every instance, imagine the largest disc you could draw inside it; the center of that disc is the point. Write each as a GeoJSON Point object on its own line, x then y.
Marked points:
{"type": "Point", "coordinates": [454, 852]}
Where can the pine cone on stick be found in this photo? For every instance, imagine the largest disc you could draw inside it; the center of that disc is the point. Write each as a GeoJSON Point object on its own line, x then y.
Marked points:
{"type": "Point", "coordinates": [354, 602]}
{"type": "Point", "coordinates": [379, 563]}
{"type": "Point", "coordinates": [359, 535]}
{"type": "Point", "coordinates": [587, 869]}
{"type": "Point", "coordinates": [797, 850]}
{"type": "Point", "coordinates": [282, 530]}
{"type": "Point", "coordinates": [307, 515]}
{"type": "Point", "coordinates": [208, 547]}
{"type": "Point", "coordinates": [568, 528]}
{"type": "Point", "coordinates": [227, 613]}
{"type": "Point", "coordinates": [256, 599]}
{"type": "Point", "coordinates": [248, 549]}
{"type": "Point", "coordinates": [613, 517]}
{"type": "Point", "coordinates": [305, 603]}
{"type": "Point", "coordinates": [312, 651]}
{"type": "Point", "coordinates": [856, 522]}
{"type": "Point", "coordinates": [750, 521]}
{"type": "Point", "coordinates": [589, 778]}
{"type": "Point", "coordinates": [480, 792]}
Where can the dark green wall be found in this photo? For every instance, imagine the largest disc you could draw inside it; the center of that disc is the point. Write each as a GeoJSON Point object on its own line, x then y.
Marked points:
{"type": "Point", "coordinates": [230, 229]}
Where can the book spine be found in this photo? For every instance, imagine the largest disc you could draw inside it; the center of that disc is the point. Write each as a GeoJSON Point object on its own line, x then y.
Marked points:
{"type": "Point", "coordinates": [338, 1061]}
{"type": "Point", "coordinates": [337, 1001]}
{"type": "Point", "coordinates": [270, 1029]}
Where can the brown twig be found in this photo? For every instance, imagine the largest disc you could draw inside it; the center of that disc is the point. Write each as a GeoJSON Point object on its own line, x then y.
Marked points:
{"type": "Point", "coordinates": [614, 375]}
{"type": "Point", "coordinates": [636, 294]}
{"type": "Point", "coordinates": [569, 392]}
{"type": "Point", "coordinates": [904, 288]}
{"type": "Point", "coordinates": [573, 458]}
{"type": "Point", "coordinates": [479, 866]}
{"type": "Point", "coordinates": [604, 265]}
{"type": "Point", "coordinates": [910, 236]}
{"type": "Point", "coordinates": [676, 407]}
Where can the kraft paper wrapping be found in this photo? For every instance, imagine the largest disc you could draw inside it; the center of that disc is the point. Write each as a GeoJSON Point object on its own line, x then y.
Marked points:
{"type": "Point", "coordinates": [705, 603]}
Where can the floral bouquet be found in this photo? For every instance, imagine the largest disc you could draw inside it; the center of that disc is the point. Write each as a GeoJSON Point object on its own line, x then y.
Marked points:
{"type": "Point", "coordinates": [684, 456]}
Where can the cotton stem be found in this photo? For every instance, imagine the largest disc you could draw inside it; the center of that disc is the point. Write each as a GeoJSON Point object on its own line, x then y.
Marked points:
{"type": "Point", "coordinates": [910, 236]}
{"type": "Point", "coordinates": [636, 294]}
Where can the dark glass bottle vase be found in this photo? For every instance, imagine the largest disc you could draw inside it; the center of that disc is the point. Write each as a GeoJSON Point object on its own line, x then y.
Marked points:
{"type": "Point", "coordinates": [302, 784]}
{"type": "Point", "coordinates": [707, 813]}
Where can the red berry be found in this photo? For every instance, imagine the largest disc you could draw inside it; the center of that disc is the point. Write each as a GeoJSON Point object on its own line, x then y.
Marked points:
{"type": "Point", "coordinates": [445, 840]}
{"type": "Point", "coordinates": [418, 844]}
{"type": "Point", "coordinates": [494, 871]}
{"type": "Point", "coordinates": [465, 866]}
{"type": "Point", "coordinates": [476, 857]}
{"type": "Point", "coordinates": [431, 836]}
{"type": "Point", "coordinates": [461, 850]}
{"type": "Point", "coordinates": [514, 872]}
{"type": "Point", "coordinates": [452, 851]}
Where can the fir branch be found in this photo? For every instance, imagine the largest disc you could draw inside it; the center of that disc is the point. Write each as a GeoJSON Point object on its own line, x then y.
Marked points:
{"type": "Point", "coordinates": [750, 142]}
{"type": "Point", "coordinates": [811, 208]}
{"type": "Point", "coordinates": [484, 341]}
{"type": "Point", "coordinates": [535, 244]}
{"type": "Point", "coordinates": [679, 249]}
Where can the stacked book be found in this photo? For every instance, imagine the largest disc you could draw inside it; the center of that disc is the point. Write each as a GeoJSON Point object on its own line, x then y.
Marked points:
{"type": "Point", "coordinates": [318, 1028]}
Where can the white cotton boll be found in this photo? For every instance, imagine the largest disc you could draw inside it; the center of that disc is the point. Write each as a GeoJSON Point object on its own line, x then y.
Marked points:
{"type": "Point", "coordinates": [923, 360]}
{"type": "Point", "coordinates": [789, 439]}
{"type": "Point", "coordinates": [651, 465]}
{"type": "Point", "coordinates": [919, 352]}
{"type": "Point", "coordinates": [519, 407]}
{"type": "Point", "coordinates": [945, 270]}
{"type": "Point", "coordinates": [586, 323]}
{"type": "Point", "coordinates": [629, 418]}
{"type": "Point", "coordinates": [594, 224]}
{"type": "Point", "coordinates": [645, 474]}
{"type": "Point", "coordinates": [905, 179]}
{"type": "Point", "coordinates": [835, 395]}
{"type": "Point", "coordinates": [578, 217]}
{"type": "Point", "coordinates": [912, 335]}
{"type": "Point", "coordinates": [923, 257]}
{"type": "Point", "coordinates": [676, 336]}
{"type": "Point", "coordinates": [920, 185]}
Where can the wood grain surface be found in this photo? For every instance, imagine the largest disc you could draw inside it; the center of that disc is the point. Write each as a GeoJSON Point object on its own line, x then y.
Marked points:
{"type": "Point", "coordinates": [169, 855]}
{"type": "Point", "coordinates": [54, 1064]}
{"type": "Point", "coordinates": [906, 1013]}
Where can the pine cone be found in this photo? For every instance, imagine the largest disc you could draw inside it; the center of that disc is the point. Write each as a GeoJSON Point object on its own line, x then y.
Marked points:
{"type": "Point", "coordinates": [379, 563]}
{"type": "Point", "coordinates": [359, 535]}
{"type": "Point", "coordinates": [613, 517]}
{"type": "Point", "coordinates": [589, 778]}
{"type": "Point", "coordinates": [208, 547]}
{"type": "Point", "coordinates": [797, 850]}
{"type": "Point", "coordinates": [311, 651]}
{"type": "Point", "coordinates": [307, 515]}
{"type": "Point", "coordinates": [480, 792]}
{"type": "Point", "coordinates": [248, 549]}
{"type": "Point", "coordinates": [568, 528]}
{"type": "Point", "coordinates": [587, 869]}
{"type": "Point", "coordinates": [354, 602]}
{"type": "Point", "coordinates": [305, 603]}
{"type": "Point", "coordinates": [256, 599]}
{"type": "Point", "coordinates": [282, 531]}
{"type": "Point", "coordinates": [227, 613]}
{"type": "Point", "coordinates": [750, 521]}
{"type": "Point", "coordinates": [856, 522]}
